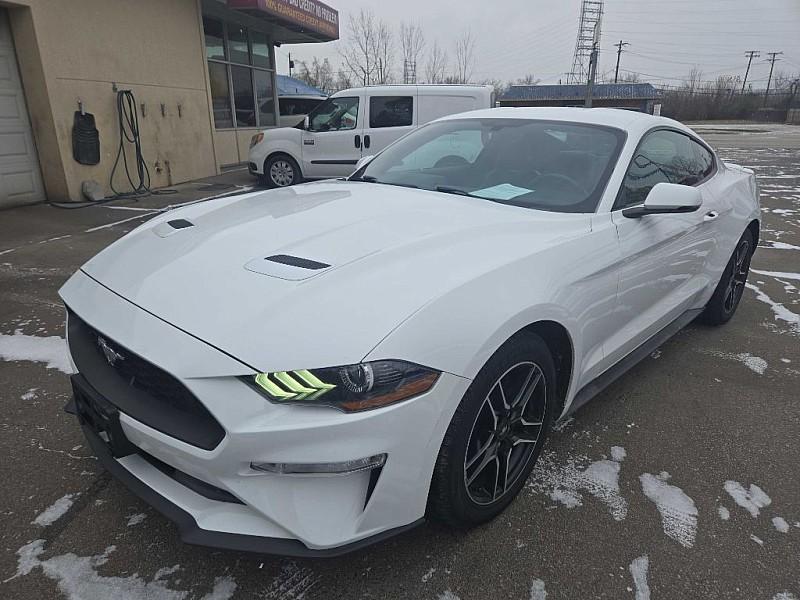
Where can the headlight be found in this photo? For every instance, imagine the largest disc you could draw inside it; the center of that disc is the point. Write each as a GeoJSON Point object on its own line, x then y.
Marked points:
{"type": "Point", "coordinates": [350, 388]}
{"type": "Point", "coordinates": [256, 139]}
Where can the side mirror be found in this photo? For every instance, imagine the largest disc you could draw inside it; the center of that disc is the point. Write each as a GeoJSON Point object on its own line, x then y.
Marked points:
{"type": "Point", "coordinates": [363, 161]}
{"type": "Point", "coordinates": [305, 122]}
{"type": "Point", "coordinates": [667, 198]}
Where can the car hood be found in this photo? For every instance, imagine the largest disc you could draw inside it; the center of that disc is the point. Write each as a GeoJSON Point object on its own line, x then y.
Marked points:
{"type": "Point", "coordinates": [354, 260]}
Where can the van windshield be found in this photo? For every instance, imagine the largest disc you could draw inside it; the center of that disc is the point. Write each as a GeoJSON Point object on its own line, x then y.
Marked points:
{"type": "Point", "coordinates": [546, 165]}
{"type": "Point", "coordinates": [334, 114]}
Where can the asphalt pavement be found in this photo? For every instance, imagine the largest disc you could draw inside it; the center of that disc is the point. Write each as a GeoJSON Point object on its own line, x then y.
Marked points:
{"type": "Point", "coordinates": [682, 480]}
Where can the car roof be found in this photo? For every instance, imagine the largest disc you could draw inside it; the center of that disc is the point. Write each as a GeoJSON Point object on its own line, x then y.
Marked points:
{"type": "Point", "coordinates": [414, 88]}
{"type": "Point", "coordinates": [627, 120]}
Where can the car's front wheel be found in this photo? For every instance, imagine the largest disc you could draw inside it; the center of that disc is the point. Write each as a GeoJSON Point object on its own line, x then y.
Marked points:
{"type": "Point", "coordinates": [281, 170]}
{"type": "Point", "coordinates": [496, 434]}
{"type": "Point", "coordinates": [731, 286]}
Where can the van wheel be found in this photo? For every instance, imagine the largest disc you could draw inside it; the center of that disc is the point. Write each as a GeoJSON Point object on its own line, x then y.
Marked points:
{"type": "Point", "coordinates": [281, 170]}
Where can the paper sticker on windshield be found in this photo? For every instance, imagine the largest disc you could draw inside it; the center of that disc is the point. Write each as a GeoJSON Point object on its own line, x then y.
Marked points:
{"type": "Point", "coordinates": [504, 191]}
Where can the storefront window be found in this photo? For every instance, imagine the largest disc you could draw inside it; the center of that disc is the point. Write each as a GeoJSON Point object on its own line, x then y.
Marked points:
{"type": "Point", "coordinates": [241, 75]}
{"type": "Point", "coordinates": [265, 97]}
{"type": "Point", "coordinates": [220, 95]}
{"type": "Point", "coordinates": [215, 42]}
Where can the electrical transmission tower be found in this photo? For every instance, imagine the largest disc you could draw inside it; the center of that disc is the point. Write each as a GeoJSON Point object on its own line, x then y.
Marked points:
{"type": "Point", "coordinates": [588, 40]}
{"type": "Point", "coordinates": [409, 71]}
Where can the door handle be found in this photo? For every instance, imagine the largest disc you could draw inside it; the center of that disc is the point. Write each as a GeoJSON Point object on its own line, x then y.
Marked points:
{"type": "Point", "coordinates": [710, 215]}
{"type": "Point", "coordinates": [358, 141]}
{"type": "Point", "coordinates": [366, 141]}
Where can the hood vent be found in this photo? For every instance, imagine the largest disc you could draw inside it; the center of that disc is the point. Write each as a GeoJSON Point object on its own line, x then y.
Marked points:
{"type": "Point", "coordinates": [286, 266]}
{"type": "Point", "coordinates": [180, 223]}
{"type": "Point", "coordinates": [174, 226]}
{"type": "Point", "coordinates": [296, 261]}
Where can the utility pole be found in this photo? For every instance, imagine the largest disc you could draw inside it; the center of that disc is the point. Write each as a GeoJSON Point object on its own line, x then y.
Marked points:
{"type": "Point", "coordinates": [291, 64]}
{"type": "Point", "coordinates": [619, 52]}
{"type": "Point", "coordinates": [773, 56]}
{"type": "Point", "coordinates": [752, 54]}
{"type": "Point", "coordinates": [592, 73]}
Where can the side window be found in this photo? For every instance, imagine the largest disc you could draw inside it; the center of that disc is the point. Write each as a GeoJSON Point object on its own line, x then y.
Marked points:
{"type": "Point", "coordinates": [705, 160]}
{"type": "Point", "coordinates": [664, 156]}
{"type": "Point", "coordinates": [335, 114]}
{"type": "Point", "coordinates": [390, 111]}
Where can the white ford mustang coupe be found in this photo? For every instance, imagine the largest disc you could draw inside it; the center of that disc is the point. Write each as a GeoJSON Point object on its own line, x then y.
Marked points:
{"type": "Point", "coordinates": [308, 370]}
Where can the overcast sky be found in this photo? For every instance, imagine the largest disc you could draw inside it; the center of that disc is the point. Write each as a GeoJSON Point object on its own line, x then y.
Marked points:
{"type": "Point", "coordinates": [667, 37]}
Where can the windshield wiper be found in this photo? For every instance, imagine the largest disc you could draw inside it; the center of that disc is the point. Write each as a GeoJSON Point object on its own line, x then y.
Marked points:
{"type": "Point", "coordinates": [371, 179]}
{"type": "Point", "coordinates": [447, 189]}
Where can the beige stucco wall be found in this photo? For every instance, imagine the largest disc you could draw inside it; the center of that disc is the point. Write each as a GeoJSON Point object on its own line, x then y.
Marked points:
{"type": "Point", "coordinates": [76, 49]}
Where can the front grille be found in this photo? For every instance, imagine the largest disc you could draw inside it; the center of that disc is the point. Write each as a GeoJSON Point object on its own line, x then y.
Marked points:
{"type": "Point", "coordinates": [139, 388]}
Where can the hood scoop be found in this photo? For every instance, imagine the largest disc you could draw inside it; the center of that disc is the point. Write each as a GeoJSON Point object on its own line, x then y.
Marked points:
{"type": "Point", "coordinates": [286, 266]}
{"type": "Point", "coordinates": [170, 227]}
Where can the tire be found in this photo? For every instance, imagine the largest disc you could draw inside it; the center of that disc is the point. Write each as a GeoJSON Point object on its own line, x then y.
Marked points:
{"type": "Point", "coordinates": [728, 292]}
{"type": "Point", "coordinates": [453, 500]}
{"type": "Point", "coordinates": [281, 170]}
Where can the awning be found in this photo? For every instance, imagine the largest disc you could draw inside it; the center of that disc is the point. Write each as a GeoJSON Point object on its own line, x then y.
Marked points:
{"type": "Point", "coordinates": [296, 21]}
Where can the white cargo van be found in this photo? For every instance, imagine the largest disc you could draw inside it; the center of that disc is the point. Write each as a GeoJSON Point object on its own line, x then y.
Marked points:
{"type": "Point", "coordinates": [354, 123]}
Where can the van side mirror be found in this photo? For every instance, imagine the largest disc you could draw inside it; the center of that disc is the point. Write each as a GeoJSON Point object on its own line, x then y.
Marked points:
{"type": "Point", "coordinates": [667, 198]}
{"type": "Point", "coordinates": [306, 122]}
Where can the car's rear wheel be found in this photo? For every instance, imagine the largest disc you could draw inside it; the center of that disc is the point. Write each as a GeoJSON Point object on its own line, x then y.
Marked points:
{"type": "Point", "coordinates": [281, 170]}
{"type": "Point", "coordinates": [496, 434]}
{"type": "Point", "coordinates": [730, 288]}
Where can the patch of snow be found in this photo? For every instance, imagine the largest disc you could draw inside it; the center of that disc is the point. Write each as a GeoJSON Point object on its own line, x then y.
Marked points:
{"type": "Point", "coordinates": [537, 590]}
{"type": "Point", "coordinates": [428, 575]}
{"type": "Point", "coordinates": [753, 500]}
{"type": "Point", "coordinates": [678, 511]}
{"type": "Point", "coordinates": [29, 395]}
{"type": "Point", "coordinates": [51, 350]}
{"type": "Point", "coordinates": [780, 524]}
{"type": "Point", "coordinates": [781, 274]}
{"type": "Point", "coordinates": [779, 310]}
{"type": "Point", "coordinates": [293, 582]}
{"type": "Point", "coordinates": [723, 513]}
{"type": "Point", "coordinates": [78, 579]}
{"type": "Point", "coordinates": [779, 246]}
{"type": "Point", "coordinates": [564, 483]}
{"type": "Point", "coordinates": [136, 519]}
{"type": "Point", "coordinates": [638, 569]}
{"type": "Point", "coordinates": [785, 360]}
{"type": "Point", "coordinates": [757, 540]}
{"type": "Point", "coordinates": [784, 596]}
{"type": "Point", "coordinates": [618, 453]}
{"type": "Point", "coordinates": [55, 511]}
{"type": "Point", "coordinates": [754, 363]}
{"type": "Point", "coordinates": [562, 425]}
{"type": "Point", "coordinates": [655, 354]}
{"type": "Point", "coordinates": [165, 571]}
{"type": "Point", "coordinates": [447, 595]}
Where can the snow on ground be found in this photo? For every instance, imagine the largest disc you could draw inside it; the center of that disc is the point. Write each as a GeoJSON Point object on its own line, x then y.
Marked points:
{"type": "Point", "coordinates": [565, 483]}
{"type": "Point", "coordinates": [754, 363]}
{"type": "Point", "coordinates": [777, 274]}
{"type": "Point", "coordinates": [757, 540]}
{"type": "Point", "coordinates": [753, 500]}
{"type": "Point", "coordinates": [723, 513]}
{"type": "Point", "coordinates": [51, 350]}
{"type": "Point", "coordinates": [538, 592]}
{"type": "Point", "coordinates": [29, 395]}
{"type": "Point", "coordinates": [136, 519]}
{"type": "Point", "coordinates": [638, 569]}
{"type": "Point", "coordinates": [78, 579]}
{"type": "Point", "coordinates": [780, 524]}
{"type": "Point", "coordinates": [784, 596]}
{"type": "Point", "coordinates": [428, 574]}
{"type": "Point", "coordinates": [55, 511]}
{"type": "Point", "coordinates": [293, 582]}
{"type": "Point", "coordinates": [778, 245]}
{"type": "Point", "coordinates": [448, 595]}
{"type": "Point", "coordinates": [678, 511]}
{"type": "Point", "coordinates": [780, 311]}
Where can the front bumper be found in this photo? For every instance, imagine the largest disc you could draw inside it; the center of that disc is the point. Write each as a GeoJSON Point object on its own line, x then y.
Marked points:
{"type": "Point", "coordinates": [298, 515]}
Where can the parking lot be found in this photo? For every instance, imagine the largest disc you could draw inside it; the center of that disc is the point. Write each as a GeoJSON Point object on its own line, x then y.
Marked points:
{"type": "Point", "coordinates": [681, 480]}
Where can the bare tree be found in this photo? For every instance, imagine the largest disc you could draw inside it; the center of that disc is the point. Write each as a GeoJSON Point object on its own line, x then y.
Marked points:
{"type": "Point", "coordinates": [384, 52]}
{"type": "Point", "coordinates": [412, 41]}
{"type": "Point", "coordinates": [319, 74]}
{"type": "Point", "coordinates": [358, 54]}
{"type": "Point", "coordinates": [368, 52]}
{"type": "Point", "coordinates": [436, 66]}
{"type": "Point", "coordinates": [529, 79]}
{"type": "Point", "coordinates": [465, 57]}
{"type": "Point", "coordinates": [343, 80]}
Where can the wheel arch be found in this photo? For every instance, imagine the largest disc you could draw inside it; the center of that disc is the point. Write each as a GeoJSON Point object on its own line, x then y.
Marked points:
{"type": "Point", "coordinates": [755, 229]}
{"type": "Point", "coordinates": [560, 344]}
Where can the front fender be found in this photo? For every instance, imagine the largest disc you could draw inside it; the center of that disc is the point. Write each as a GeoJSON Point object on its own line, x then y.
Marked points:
{"type": "Point", "coordinates": [286, 140]}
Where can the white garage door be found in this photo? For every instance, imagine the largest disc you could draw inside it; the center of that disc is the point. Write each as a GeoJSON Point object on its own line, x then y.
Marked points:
{"type": "Point", "coordinates": [20, 180]}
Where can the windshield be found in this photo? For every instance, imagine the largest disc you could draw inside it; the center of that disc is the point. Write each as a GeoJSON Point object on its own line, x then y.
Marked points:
{"type": "Point", "coordinates": [546, 165]}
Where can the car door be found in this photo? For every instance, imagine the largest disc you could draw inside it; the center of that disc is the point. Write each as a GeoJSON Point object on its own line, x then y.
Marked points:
{"type": "Point", "coordinates": [332, 144]}
{"type": "Point", "coordinates": [662, 270]}
{"type": "Point", "coordinates": [388, 119]}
